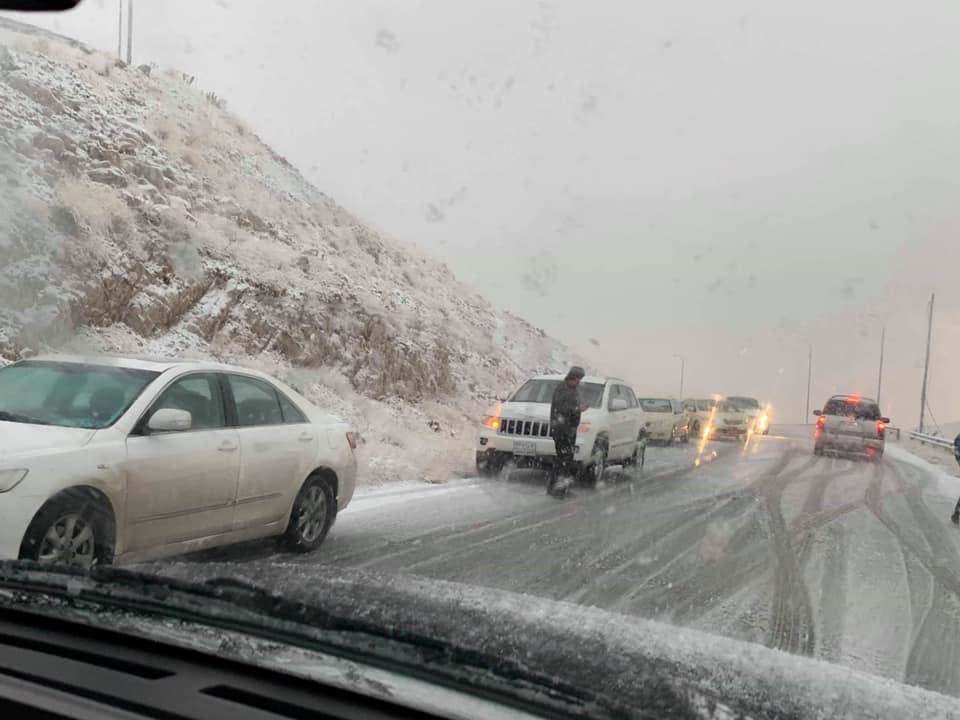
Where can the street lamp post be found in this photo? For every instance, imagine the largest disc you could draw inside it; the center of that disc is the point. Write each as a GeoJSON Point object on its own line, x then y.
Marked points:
{"type": "Point", "coordinates": [883, 340]}
{"type": "Point", "coordinates": [683, 363]}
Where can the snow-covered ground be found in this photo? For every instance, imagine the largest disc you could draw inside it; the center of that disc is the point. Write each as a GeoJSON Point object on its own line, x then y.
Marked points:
{"type": "Point", "coordinates": [138, 215]}
{"type": "Point", "coordinates": [840, 559]}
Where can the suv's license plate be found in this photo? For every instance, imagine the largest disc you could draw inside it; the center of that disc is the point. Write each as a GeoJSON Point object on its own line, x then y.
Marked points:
{"type": "Point", "coordinates": [524, 447]}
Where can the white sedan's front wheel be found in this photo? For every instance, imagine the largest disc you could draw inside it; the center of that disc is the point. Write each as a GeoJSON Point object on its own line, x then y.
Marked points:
{"type": "Point", "coordinates": [71, 529]}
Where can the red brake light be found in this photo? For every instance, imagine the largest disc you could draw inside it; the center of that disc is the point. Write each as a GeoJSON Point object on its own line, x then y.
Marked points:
{"type": "Point", "coordinates": [821, 421]}
{"type": "Point", "coordinates": [352, 440]}
{"type": "Point", "coordinates": [881, 427]}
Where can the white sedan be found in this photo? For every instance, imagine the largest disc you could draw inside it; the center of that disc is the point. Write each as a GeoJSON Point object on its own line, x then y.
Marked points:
{"type": "Point", "coordinates": [105, 459]}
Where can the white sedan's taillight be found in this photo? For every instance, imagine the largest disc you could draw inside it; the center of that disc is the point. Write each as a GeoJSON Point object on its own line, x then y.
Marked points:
{"type": "Point", "coordinates": [352, 440]}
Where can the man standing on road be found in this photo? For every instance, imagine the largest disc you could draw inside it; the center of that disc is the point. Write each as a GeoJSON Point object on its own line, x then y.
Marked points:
{"type": "Point", "coordinates": [565, 409]}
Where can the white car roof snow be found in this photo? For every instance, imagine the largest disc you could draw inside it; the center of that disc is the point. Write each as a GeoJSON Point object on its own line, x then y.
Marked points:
{"type": "Point", "coordinates": [586, 378]}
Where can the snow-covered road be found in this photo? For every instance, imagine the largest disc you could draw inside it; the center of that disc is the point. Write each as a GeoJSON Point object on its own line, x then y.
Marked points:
{"type": "Point", "coordinates": [841, 559]}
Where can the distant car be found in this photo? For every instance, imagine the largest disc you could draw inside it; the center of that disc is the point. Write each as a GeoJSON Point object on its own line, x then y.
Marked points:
{"type": "Point", "coordinates": [850, 424]}
{"type": "Point", "coordinates": [699, 412]}
{"type": "Point", "coordinates": [731, 420]}
{"type": "Point", "coordinates": [105, 459]}
{"type": "Point", "coordinates": [664, 419]}
{"type": "Point", "coordinates": [760, 423]}
{"type": "Point", "coordinates": [519, 431]}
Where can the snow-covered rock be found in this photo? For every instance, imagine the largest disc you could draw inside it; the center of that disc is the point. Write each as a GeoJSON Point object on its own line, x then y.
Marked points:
{"type": "Point", "coordinates": [137, 215]}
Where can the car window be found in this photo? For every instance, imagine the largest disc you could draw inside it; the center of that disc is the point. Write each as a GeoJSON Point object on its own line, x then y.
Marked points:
{"type": "Point", "coordinates": [614, 395]}
{"type": "Point", "coordinates": [536, 391]}
{"type": "Point", "coordinates": [628, 394]}
{"type": "Point", "coordinates": [200, 395]}
{"type": "Point", "coordinates": [850, 407]}
{"type": "Point", "coordinates": [291, 413]}
{"type": "Point", "coordinates": [257, 402]}
{"type": "Point", "coordinates": [541, 391]}
{"type": "Point", "coordinates": [655, 405]}
{"type": "Point", "coordinates": [69, 394]}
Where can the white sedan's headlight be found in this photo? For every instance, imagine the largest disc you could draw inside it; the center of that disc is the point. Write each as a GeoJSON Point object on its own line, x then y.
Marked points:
{"type": "Point", "coordinates": [9, 479]}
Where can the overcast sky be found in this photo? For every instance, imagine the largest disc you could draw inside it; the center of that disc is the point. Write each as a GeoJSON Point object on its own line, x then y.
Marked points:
{"type": "Point", "coordinates": [727, 181]}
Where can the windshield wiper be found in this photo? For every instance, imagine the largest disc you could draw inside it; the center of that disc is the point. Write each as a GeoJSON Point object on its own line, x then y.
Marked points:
{"type": "Point", "coordinates": [20, 418]}
{"type": "Point", "coordinates": [238, 605]}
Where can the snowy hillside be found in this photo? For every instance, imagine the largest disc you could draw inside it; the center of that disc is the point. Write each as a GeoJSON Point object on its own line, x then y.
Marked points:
{"type": "Point", "coordinates": [138, 215]}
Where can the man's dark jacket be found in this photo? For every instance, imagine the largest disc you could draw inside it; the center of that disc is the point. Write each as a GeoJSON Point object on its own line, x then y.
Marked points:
{"type": "Point", "coordinates": [565, 410]}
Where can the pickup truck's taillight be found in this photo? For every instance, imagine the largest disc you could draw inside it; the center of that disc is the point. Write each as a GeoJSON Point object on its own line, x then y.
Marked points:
{"type": "Point", "coordinates": [821, 420]}
{"type": "Point", "coordinates": [352, 440]}
{"type": "Point", "coordinates": [881, 427]}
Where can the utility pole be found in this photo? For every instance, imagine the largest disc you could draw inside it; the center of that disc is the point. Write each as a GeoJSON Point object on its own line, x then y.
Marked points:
{"type": "Point", "coordinates": [120, 29]}
{"type": "Point", "coordinates": [682, 364]}
{"type": "Point", "coordinates": [926, 366]}
{"type": "Point", "coordinates": [806, 415]}
{"type": "Point", "coordinates": [129, 32]}
{"type": "Point", "coordinates": [883, 338]}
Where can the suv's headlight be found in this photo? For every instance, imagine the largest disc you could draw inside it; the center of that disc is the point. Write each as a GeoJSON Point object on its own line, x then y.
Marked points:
{"type": "Point", "coordinates": [9, 479]}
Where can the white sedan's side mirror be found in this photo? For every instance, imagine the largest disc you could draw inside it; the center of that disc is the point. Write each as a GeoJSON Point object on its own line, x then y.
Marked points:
{"type": "Point", "coordinates": [170, 420]}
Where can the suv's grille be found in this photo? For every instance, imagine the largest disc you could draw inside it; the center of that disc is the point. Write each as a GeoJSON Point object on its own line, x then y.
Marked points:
{"type": "Point", "coordinates": [524, 427]}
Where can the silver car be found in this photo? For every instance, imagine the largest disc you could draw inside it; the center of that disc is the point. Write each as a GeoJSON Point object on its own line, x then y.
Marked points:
{"type": "Point", "coordinates": [850, 424]}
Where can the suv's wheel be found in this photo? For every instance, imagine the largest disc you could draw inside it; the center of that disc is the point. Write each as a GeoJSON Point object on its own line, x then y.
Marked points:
{"type": "Point", "coordinates": [312, 515]}
{"type": "Point", "coordinates": [488, 464]}
{"type": "Point", "coordinates": [593, 470]}
{"type": "Point", "coordinates": [71, 529]}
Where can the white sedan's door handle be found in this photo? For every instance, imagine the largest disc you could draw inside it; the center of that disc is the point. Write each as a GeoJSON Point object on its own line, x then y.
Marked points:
{"type": "Point", "coordinates": [227, 446]}
{"type": "Point", "coordinates": [306, 437]}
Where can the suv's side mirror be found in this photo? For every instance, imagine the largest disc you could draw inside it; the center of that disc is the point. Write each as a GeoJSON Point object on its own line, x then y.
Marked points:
{"type": "Point", "coordinates": [170, 420]}
{"type": "Point", "coordinates": [817, 413]}
{"type": "Point", "coordinates": [618, 404]}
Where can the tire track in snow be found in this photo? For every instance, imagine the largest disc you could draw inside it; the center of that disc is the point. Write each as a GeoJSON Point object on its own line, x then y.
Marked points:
{"type": "Point", "coordinates": [443, 543]}
{"type": "Point", "coordinates": [791, 619]}
{"type": "Point", "coordinates": [932, 661]}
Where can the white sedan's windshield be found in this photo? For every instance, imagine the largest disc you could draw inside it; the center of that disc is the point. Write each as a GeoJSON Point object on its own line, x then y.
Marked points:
{"type": "Point", "coordinates": [68, 394]}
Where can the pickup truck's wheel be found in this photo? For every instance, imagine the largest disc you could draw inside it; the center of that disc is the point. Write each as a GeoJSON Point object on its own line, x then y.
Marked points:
{"type": "Point", "coordinates": [311, 517]}
{"type": "Point", "coordinates": [594, 467]}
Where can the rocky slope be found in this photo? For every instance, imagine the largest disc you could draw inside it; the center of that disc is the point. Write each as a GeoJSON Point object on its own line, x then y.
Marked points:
{"type": "Point", "coordinates": [138, 215]}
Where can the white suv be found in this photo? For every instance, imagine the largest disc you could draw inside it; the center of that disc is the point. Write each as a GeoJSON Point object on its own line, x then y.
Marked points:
{"type": "Point", "coordinates": [519, 431]}
{"type": "Point", "coordinates": [104, 458]}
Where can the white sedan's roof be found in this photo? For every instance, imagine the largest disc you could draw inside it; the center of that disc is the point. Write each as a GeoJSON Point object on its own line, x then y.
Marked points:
{"type": "Point", "coordinates": [138, 363]}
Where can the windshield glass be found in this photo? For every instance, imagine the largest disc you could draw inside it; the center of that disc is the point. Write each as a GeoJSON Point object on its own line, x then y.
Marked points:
{"type": "Point", "coordinates": [375, 236]}
{"type": "Point", "coordinates": [541, 391]}
{"type": "Point", "coordinates": [67, 394]}
{"type": "Point", "coordinates": [856, 408]}
{"type": "Point", "coordinates": [655, 405]}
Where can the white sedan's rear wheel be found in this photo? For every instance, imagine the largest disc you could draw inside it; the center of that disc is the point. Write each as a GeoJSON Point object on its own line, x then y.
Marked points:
{"type": "Point", "coordinates": [313, 513]}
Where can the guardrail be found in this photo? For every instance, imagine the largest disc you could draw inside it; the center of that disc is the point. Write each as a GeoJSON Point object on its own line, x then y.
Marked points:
{"type": "Point", "coordinates": [932, 440]}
